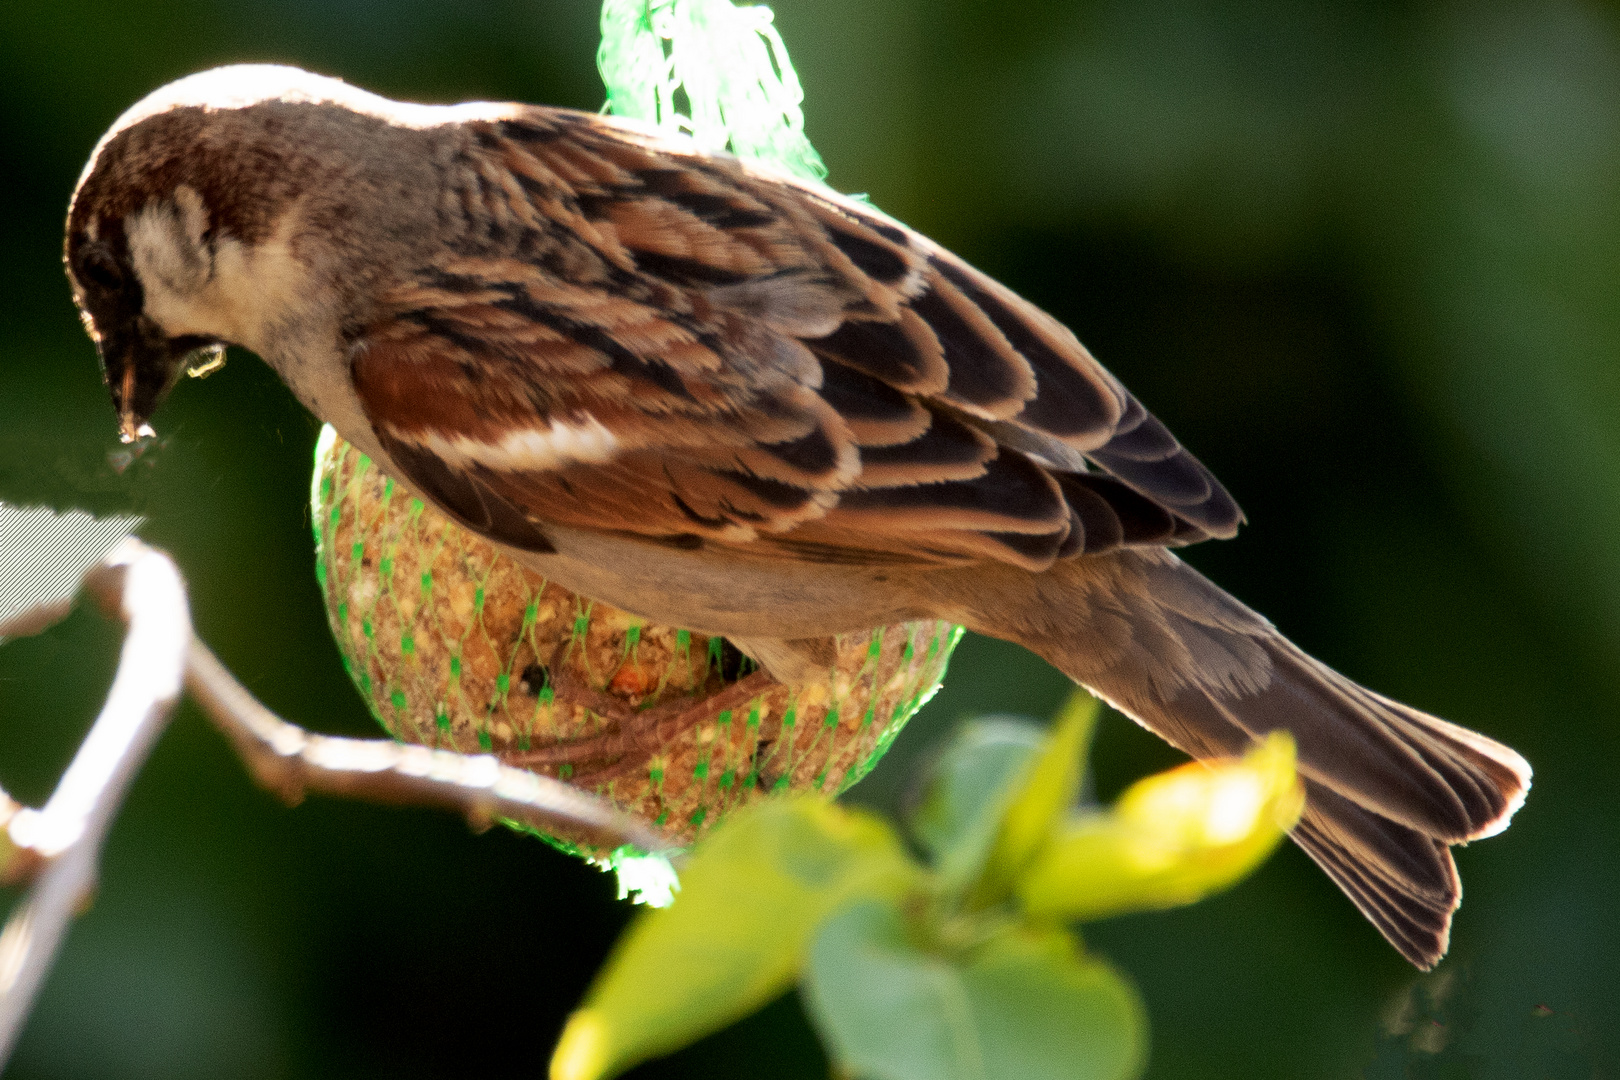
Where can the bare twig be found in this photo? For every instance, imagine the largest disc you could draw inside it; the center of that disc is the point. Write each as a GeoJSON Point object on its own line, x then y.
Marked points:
{"type": "Point", "coordinates": [145, 589]}
{"type": "Point", "coordinates": [58, 846]}
{"type": "Point", "coordinates": [289, 760]}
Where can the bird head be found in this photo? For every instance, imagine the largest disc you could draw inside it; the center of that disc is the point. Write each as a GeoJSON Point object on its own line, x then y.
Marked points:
{"type": "Point", "coordinates": [127, 273]}
{"type": "Point", "coordinates": [232, 207]}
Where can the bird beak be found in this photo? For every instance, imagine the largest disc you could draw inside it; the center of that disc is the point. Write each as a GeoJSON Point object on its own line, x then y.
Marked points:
{"type": "Point", "coordinates": [141, 366]}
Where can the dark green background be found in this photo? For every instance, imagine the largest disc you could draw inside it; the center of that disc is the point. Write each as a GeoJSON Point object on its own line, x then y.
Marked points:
{"type": "Point", "coordinates": [1362, 259]}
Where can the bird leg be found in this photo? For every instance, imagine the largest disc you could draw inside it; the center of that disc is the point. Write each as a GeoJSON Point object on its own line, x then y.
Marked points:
{"type": "Point", "coordinates": [632, 734]}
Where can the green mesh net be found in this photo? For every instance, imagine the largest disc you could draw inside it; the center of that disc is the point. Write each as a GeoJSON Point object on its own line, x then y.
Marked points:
{"type": "Point", "coordinates": [716, 71]}
{"type": "Point", "coordinates": [456, 646]}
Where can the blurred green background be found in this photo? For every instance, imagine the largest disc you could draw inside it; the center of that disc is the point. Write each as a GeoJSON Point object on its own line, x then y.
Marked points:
{"type": "Point", "coordinates": [1362, 258]}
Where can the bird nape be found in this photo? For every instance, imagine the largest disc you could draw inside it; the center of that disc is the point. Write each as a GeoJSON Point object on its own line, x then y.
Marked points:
{"type": "Point", "coordinates": [727, 399]}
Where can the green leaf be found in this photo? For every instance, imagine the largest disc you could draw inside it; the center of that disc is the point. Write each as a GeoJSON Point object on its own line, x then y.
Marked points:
{"type": "Point", "coordinates": [886, 1009]}
{"type": "Point", "coordinates": [1049, 789]}
{"type": "Point", "coordinates": [1027, 1005]}
{"type": "Point", "coordinates": [1170, 839]}
{"type": "Point", "coordinates": [751, 898]}
{"type": "Point", "coordinates": [1045, 1009]}
{"type": "Point", "coordinates": [971, 785]}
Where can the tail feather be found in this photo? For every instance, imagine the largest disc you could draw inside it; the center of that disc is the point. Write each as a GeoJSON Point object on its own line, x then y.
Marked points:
{"type": "Point", "coordinates": [1420, 928]}
{"type": "Point", "coordinates": [1388, 788]}
{"type": "Point", "coordinates": [1408, 766]}
{"type": "Point", "coordinates": [1412, 865]}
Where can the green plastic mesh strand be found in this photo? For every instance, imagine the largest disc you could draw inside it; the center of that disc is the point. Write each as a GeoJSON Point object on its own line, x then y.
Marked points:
{"type": "Point", "coordinates": [455, 646]}
{"type": "Point", "coordinates": [726, 64]}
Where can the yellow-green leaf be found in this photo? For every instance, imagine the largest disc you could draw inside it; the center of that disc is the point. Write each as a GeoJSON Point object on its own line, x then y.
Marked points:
{"type": "Point", "coordinates": [1028, 1004]}
{"type": "Point", "coordinates": [971, 784]}
{"type": "Point", "coordinates": [751, 897]}
{"type": "Point", "coordinates": [1047, 1009]}
{"type": "Point", "coordinates": [1048, 790]}
{"type": "Point", "coordinates": [1170, 839]}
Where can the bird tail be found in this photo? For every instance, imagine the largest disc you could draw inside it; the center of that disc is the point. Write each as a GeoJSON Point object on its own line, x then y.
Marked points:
{"type": "Point", "coordinates": [1388, 788]}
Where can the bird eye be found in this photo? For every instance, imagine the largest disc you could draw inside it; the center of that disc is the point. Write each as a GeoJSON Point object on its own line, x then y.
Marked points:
{"type": "Point", "coordinates": [100, 268]}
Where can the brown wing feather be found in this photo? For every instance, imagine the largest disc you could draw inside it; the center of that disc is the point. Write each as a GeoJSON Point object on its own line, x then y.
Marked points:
{"type": "Point", "coordinates": [642, 339]}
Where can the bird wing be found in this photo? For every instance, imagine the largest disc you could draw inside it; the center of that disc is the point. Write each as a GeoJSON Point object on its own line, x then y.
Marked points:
{"type": "Point", "coordinates": [630, 335]}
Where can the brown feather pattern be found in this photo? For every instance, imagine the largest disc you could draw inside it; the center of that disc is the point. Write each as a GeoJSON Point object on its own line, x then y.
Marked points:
{"type": "Point", "coordinates": [1388, 788]}
{"type": "Point", "coordinates": [766, 355]}
{"type": "Point", "coordinates": [792, 372]}
{"type": "Point", "coordinates": [730, 400]}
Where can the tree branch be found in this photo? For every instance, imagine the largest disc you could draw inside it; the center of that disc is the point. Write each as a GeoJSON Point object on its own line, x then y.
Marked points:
{"type": "Point", "coordinates": [62, 841]}
{"type": "Point", "coordinates": [288, 760]}
{"type": "Point", "coordinates": [58, 846]}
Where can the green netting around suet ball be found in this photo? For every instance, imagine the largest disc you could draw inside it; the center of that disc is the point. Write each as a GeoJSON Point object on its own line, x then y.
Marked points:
{"type": "Point", "coordinates": [456, 646]}
{"type": "Point", "coordinates": [715, 71]}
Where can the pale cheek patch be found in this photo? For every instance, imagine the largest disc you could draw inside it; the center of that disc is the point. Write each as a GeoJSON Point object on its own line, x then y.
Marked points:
{"type": "Point", "coordinates": [233, 292]}
{"type": "Point", "coordinates": [562, 442]}
{"type": "Point", "coordinates": [170, 264]}
{"type": "Point", "coordinates": [261, 287]}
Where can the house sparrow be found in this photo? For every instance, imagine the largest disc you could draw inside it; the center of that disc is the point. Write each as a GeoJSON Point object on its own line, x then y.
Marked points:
{"type": "Point", "coordinates": [725, 399]}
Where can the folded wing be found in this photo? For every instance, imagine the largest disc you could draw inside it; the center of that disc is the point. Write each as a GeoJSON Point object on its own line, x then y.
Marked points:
{"type": "Point", "coordinates": [642, 339]}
